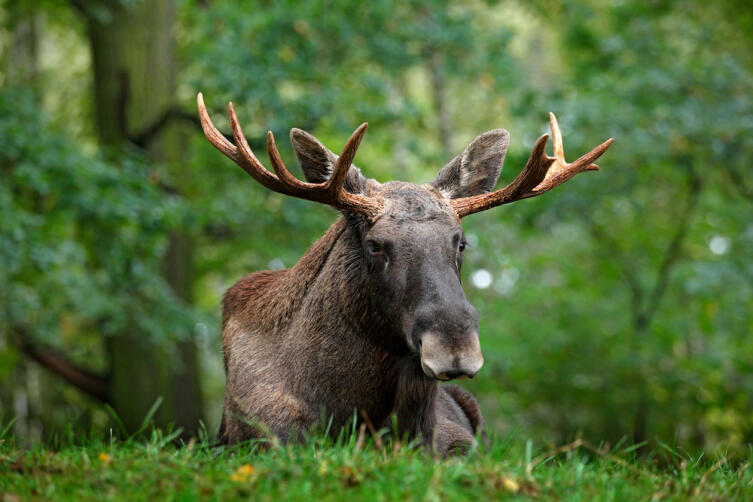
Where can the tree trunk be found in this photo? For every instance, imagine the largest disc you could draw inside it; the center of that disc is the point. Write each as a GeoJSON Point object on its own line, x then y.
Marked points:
{"type": "Point", "coordinates": [133, 54]}
{"type": "Point", "coordinates": [20, 64]}
{"type": "Point", "coordinates": [22, 57]}
{"type": "Point", "coordinates": [440, 104]}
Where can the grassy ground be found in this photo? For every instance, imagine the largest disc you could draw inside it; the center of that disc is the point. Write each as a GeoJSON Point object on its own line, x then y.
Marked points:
{"type": "Point", "coordinates": [356, 469]}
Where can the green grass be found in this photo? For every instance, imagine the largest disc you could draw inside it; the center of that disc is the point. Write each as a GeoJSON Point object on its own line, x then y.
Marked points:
{"type": "Point", "coordinates": [353, 469]}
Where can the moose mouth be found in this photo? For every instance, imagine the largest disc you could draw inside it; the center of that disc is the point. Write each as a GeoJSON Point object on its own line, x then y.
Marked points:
{"type": "Point", "coordinates": [444, 376]}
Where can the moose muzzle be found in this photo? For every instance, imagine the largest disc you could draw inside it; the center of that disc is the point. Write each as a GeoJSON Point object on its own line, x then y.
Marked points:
{"type": "Point", "coordinates": [446, 359]}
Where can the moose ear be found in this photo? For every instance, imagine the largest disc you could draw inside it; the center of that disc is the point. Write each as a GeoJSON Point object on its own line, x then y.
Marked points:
{"type": "Point", "coordinates": [317, 161]}
{"type": "Point", "coordinates": [476, 170]}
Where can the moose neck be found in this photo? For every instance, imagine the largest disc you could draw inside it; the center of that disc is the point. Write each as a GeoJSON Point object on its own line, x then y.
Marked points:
{"type": "Point", "coordinates": [333, 274]}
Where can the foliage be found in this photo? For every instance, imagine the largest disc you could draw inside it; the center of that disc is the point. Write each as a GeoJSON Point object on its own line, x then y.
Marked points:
{"type": "Point", "coordinates": [80, 234]}
{"type": "Point", "coordinates": [635, 326]}
{"type": "Point", "coordinates": [80, 238]}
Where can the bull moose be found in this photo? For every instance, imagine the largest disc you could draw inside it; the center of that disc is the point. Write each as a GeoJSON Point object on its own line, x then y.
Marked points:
{"type": "Point", "coordinates": [373, 315]}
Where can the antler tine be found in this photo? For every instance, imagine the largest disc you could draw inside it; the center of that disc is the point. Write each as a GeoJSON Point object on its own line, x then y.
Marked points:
{"type": "Point", "coordinates": [248, 160]}
{"type": "Point", "coordinates": [587, 159]}
{"type": "Point", "coordinates": [279, 166]}
{"type": "Point", "coordinates": [345, 160]}
{"type": "Point", "coordinates": [535, 170]}
{"type": "Point", "coordinates": [210, 131]}
{"type": "Point", "coordinates": [557, 147]}
{"type": "Point", "coordinates": [541, 174]}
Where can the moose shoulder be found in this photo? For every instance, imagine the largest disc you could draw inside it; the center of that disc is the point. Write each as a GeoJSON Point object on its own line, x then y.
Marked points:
{"type": "Point", "coordinates": [373, 315]}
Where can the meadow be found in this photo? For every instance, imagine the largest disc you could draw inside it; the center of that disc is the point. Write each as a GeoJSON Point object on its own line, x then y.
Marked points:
{"type": "Point", "coordinates": [354, 467]}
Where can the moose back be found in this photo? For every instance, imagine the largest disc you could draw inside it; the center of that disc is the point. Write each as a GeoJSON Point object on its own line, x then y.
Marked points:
{"type": "Point", "coordinates": [373, 315]}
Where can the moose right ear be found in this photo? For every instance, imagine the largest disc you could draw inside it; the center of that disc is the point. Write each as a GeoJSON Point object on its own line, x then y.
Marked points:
{"type": "Point", "coordinates": [475, 171]}
{"type": "Point", "coordinates": [317, 161]}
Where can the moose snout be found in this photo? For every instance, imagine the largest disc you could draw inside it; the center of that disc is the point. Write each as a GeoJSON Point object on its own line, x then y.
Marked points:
{"type": "Point", "coordinates": [446, 359]}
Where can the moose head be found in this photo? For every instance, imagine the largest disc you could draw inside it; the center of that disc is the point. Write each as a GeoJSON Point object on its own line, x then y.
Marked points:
{"type": "Point", "coordinates": [410, 236]}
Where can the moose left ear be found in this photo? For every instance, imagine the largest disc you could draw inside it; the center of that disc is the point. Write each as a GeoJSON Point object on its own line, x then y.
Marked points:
{"type": "Point", "coordinates": [476, 170]}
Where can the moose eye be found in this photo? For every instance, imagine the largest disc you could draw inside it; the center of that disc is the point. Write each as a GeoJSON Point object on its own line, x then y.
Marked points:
{"type": "Point", "coordinates": [462, 246]}
{"type": "Point", "coordinates": [373, 247]}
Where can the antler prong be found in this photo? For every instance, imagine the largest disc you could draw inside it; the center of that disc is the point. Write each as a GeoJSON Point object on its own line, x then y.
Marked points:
{"type": "Point", "coordinates": [278, 165]}
{"type": "Point", "coordinates": [248, 160]}
{"type": "Point", "coordinates": [594, 154]}
{"type": "Point", "coordinates": [212, 133]}
{"type": "Point", "coordinates": [345, 160]}
{"type": "Point", "coordinates": [557, 147]}
{"type": "Point", "coordinates": [536, 167]}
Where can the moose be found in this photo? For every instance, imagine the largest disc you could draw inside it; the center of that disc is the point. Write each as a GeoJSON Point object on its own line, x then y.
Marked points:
{"type": "Point", "coordinates": [373, 316]}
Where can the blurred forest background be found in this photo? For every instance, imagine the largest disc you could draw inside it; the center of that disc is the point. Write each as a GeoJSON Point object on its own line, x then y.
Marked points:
{"type": "Point", "coordinates": [619, 306]}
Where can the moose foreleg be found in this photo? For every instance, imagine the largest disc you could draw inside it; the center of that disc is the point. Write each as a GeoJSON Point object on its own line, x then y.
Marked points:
{"type": "Point", "coordinates": [446, 418]}
{"type": "Point", "coordinates": [458, 421]}
{"type": "Point", "coordinates": [268, 413]}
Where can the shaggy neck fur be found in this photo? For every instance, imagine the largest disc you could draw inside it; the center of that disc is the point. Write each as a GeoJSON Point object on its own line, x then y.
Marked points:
{"type": "Point", "coordinates": [332, 275]}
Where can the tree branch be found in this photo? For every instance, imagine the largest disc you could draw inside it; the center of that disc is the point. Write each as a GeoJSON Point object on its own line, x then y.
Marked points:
{"type": "Point", "coordinates": [89, 383]}
{"type": "Point", "coordinates": [152, 131]}
{"type": "Point", "coordinates": [625, 265]}
{"type": "Point", "coordinates": [80, 7]}
{"type": "Point", "coordinates": [644, 303]}
{"type": "Point", "coordinates": [738, 183]}
{"type": "Point", "coordinates": [673, 250]}
{"type": "Point", "coordinates": [440, 103]}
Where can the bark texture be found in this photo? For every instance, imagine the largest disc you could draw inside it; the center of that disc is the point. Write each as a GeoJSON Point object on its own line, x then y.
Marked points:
{"type": "Point", "coordinates": [133, 55]}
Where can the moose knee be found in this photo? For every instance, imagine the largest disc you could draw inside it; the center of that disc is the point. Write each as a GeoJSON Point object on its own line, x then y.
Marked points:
{"type": "Point", "coordinates": [452, 438]}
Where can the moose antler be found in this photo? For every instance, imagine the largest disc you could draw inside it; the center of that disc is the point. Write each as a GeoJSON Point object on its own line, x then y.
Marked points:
{"type": "Point", "coordinates": [541, 174]}
{"type": "Point", "coordinates": [330, 192]}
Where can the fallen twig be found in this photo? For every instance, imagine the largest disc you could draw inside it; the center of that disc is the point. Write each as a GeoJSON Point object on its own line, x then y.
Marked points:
{"type": "Point", "coordinates": [372, 430]}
